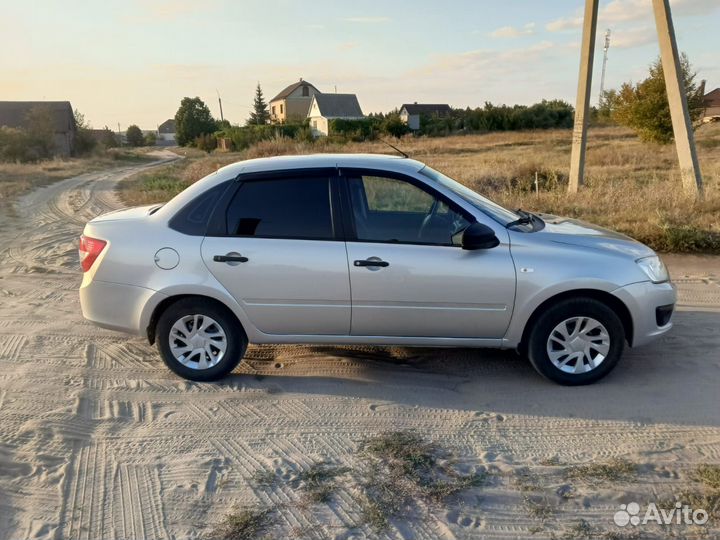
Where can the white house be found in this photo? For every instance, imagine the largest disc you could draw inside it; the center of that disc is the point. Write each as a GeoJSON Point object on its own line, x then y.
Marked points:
{"type": "Point", "coordinates": [166, 133]}
{"type": "Point", "coordinates": [326, 107]}
{"type": "Point", "coordinates": [410, 113]}
{"type": "Point", "coordinates": [293, 103]}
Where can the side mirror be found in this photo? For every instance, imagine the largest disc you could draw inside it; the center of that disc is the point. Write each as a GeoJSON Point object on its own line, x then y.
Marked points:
{"type": "Point", "coordinates": [479, 236]}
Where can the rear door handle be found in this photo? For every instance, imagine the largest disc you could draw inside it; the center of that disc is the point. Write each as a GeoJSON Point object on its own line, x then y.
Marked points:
{"type": "Point", "coordinates": [371, 262]}
{"type": "Point", "coordinates": [230, 258]}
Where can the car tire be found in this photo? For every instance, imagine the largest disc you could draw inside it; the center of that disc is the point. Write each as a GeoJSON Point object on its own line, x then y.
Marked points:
{"type": "Point", "coordinates": [206, 354]}
{"type": "Point", "coordinates": [576, 341]}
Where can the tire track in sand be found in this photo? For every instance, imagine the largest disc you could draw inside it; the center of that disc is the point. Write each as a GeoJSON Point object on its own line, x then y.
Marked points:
{"type": "Point", "coordinates": [99, 440]}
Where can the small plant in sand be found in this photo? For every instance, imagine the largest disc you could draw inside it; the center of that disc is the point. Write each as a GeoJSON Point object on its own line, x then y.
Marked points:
{"type": "Point", "coordinates": [318, 482]}
{"type": "Point", "coordinates": [243, 524]}
{"type": "Point", "coordinates": [709, 475]}
{"type": "Point", "coordinates": [402, 470]}
{"type": "Point", "coordinates": [615, 470]}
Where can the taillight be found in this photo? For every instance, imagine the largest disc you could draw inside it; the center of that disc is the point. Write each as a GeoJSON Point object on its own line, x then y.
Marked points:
{"type": "Point", "coordinates": [89, 249]}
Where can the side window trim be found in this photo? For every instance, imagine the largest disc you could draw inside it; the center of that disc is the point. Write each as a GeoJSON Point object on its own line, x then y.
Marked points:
{"type": "Point", "coordinates": [346, 173]}
{"type": "Point", "coordinates": [218, 223]}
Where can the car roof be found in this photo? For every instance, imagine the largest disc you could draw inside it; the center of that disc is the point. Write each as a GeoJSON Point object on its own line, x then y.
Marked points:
{"type": "Point", "coordinates": [315, 161]}
{"type": "Point", "coordinates": [286, 163]}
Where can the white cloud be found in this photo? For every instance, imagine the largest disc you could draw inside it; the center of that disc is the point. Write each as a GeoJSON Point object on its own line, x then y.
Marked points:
{"type": "Point", "coordinates": [367, 20]}
{"type": "Point", "coordinates": [564, 23]}
{"type": "Point", "coordinates": [620, 11]}
{"type": "Point", "coordinates": [512, 32]}
{"type": "Point", "coordinates": [626, 38]}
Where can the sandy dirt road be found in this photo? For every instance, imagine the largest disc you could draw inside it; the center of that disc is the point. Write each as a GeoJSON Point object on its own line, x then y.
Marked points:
{"type": "Point", "coordinates": [99, 440]}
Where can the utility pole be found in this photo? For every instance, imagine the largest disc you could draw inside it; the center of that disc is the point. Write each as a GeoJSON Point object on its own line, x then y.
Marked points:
{"type": "Point", "coordinates": [605, 59]}
{"type": "Point", "coordinates": [675, 87]}
{"type": "Point", "coordinates": [587, 51]}
{"type": "Point", "coordinates": [119, 135]}
{"type": "Point", "coordinates": [222, 119]}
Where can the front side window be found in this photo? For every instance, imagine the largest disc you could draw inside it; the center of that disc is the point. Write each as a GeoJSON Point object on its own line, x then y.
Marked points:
{"type": "Point", "coordinates": [282, 208]}
{"type": "Point", "coordinates": [397, 211]}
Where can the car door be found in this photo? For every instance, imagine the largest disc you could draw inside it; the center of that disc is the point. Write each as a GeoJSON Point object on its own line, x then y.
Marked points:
{"type": "Point", "coordinates": [409, 275]}
{"type": "Point", "coordinates": [280, 255]}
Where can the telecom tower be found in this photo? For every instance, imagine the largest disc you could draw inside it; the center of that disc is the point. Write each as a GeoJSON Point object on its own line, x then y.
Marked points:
{"type": "Point", "coordinates": [605, 58]}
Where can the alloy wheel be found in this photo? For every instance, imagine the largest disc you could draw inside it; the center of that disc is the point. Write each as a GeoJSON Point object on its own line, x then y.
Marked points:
{"type": "Point", "coordinates": [578, 345]}
{"type": "Point", "coordinates": [198, 341]}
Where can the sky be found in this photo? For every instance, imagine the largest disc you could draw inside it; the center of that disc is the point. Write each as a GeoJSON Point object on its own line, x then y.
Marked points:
{"type": "Point", "coordinates": [132, 61]}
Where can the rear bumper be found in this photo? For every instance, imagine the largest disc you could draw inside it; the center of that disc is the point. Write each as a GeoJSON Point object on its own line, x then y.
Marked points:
{"type": "Point", "coordinates": [115, 306]}
{"type": "Point", "coordinates": [643, 300]}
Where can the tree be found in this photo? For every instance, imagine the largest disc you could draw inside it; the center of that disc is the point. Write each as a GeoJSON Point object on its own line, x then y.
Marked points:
{"type": "Point", "coordinates": [108, 138]}
{"type": "Point", "coordinates": [84, 141]}
{"type": "Point", "coordinates": [40, 131]}
{"type": "Point", "coordinates": [192, 120]}
{"type": "Point", "coordinates": [134, 136]}
{"type": "Point", "coordinates": [260, 114]}
{"type": "Point", "coordinates": [393, 125]}
{"type": "Point", "coordinates": [644, 106]}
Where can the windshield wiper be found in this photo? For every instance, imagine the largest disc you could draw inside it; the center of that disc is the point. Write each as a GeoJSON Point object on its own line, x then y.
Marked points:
{"type": "Point", "coordinates": [525, 219]}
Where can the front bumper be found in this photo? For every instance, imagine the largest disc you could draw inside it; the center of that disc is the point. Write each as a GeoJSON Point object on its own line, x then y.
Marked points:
{"type": "Point", "coordinates": [115, 306]}
{"type": "Point", "coordinates": [643, 300]}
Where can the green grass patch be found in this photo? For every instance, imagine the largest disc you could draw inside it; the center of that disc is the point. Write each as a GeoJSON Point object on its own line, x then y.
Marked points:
{"type": "Point", "coordinates": [709, 475]}
{"type": "Point", "coordinates": [616, 470]}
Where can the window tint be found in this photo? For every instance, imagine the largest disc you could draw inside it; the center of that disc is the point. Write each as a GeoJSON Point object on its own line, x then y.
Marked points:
{"type": "Point", "coordinates": [392, 210]}
{"type": "Point", "coordinates": [282, 208]}
{"type": "Point", "coordinates": [193, 217]}
{"type": "Point", "coordinates": [391, 195]}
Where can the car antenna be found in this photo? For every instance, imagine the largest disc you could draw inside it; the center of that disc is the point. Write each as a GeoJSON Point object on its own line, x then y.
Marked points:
{"type": "Point", "coordinates": [403, 154]}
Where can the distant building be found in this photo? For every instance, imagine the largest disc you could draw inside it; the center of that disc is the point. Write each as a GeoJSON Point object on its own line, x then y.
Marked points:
{"type": "Point", "coordinates": [166, 133]}
{"type": "Point", "coordinates": [15, 114]}
{"type": "Point", "coordinates": [293, 103]}
{"type": "Point", "coordinates": [326, 107]}
{"type": "Point", "coordinates": [711, 102]}
{"type": "Point", "coordinates": [410, 113]}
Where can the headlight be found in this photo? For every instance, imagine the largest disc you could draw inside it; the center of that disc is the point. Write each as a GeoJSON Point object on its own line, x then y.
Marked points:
{"type": "Point", "coordinates": [654, 268]}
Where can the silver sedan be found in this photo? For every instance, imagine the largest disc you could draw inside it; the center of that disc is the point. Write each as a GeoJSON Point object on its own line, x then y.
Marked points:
{"type": "Point", "coordinates": [367, 249]}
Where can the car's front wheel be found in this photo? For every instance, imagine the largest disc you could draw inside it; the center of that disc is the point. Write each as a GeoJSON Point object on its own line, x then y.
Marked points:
{"type": "Point", "coordinates": [576, 341]}
{"type": "Point", "coordinates": [199, 340]}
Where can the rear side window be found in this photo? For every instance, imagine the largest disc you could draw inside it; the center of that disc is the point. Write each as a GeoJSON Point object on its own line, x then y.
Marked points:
{"type": "Point", "coordinates": [193, 218]}
{"type": "Point", "coordinates": [282, 208]}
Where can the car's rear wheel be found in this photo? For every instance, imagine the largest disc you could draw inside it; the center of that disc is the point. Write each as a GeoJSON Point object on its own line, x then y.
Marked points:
{"type": "Point", "coordinates": [576, 341]}
{"type": "Point", "coordinates": [200, 340]}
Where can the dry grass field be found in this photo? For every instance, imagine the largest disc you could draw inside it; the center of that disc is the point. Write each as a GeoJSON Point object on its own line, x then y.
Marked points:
{"type": "Point", "coordinates": [631, 186]}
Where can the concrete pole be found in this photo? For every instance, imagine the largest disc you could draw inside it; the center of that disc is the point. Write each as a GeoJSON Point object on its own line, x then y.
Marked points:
{"type": "Point", "coordinates": [582, 104]}
{"type": "Point", "coordinates": [675, 86]}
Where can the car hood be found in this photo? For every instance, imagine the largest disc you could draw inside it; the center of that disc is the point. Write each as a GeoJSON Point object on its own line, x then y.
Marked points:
{"type": "Point", "coordinates": [574, 232]}
{"type": "Point", "coordinates": [137, 212]}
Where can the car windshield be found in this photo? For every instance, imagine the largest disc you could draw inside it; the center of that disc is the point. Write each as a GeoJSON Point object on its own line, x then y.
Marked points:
{"type": "Point", "coordinates": [494, 210]}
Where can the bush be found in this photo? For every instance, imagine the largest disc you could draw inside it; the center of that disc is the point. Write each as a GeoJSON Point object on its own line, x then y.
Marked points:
{"type": "Point", "coordinates": [206, 143]}
{"type": "Point", "coordinates": [15, 145]}
{"type": "Point", "coordinates": [150, 139]}
{"type": "Point", "coordinates": [246, 136]}
{"type": "Point", "coordinates": [394, 126]}
{"type": "Point", "coordinates": [355, 130]}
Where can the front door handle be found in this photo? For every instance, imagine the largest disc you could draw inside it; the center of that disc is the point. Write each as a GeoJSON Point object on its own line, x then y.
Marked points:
{"type": "Point", "coordinates": [372, 262]}
{"type": "Point", "coordinates": [237, 258]}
